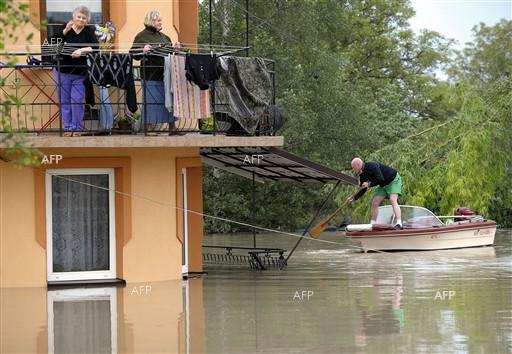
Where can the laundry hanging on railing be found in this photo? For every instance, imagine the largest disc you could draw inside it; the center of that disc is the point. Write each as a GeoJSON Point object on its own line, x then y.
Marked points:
{"type": "Point", "coordinates": [168, 83]}
{"type": "Point", "coordinates": [201, 70]}
{"type": "Point", "coordinates": [189, 101]}
{"type": "Point", "coordinates": [244, 90]}
{"type": "Point", "coordinates": [106, 69]}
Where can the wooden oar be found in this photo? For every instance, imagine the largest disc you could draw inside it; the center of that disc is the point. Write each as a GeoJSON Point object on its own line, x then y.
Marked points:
{"type": "Point", "coordinates": [320, 227]}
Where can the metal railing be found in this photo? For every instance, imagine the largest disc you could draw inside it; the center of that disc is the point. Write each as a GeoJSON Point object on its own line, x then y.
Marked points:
{"type": "Point", "coordinates": [29, 103]}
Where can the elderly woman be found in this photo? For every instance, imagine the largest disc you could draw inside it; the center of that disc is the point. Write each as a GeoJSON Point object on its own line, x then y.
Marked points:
{"type": "Point", "coordinates": [152, 71]}
{"type": "Point", "coordinates": [79, 40]}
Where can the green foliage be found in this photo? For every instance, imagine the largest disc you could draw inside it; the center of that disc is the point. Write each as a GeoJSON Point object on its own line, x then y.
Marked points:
{"type": "Point", "coordinates": [463, 162]}
{"type": "Point", "coordinates": [13, 16]}
{"type": "Point", "coordinates": [488, 58]}
{"type": "Point", "coordinates": [354, 80]}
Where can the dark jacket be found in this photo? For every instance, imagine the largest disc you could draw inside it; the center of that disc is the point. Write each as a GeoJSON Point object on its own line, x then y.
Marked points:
{"type": "Point", "coordinates": [376, 174]}
{"type": "Point", "coordinates": [73, 41]}
{"type": "Point", "coordinates": [154, 65]}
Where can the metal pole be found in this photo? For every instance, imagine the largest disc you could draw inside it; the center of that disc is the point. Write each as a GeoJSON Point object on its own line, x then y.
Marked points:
{"type": "Point", "coordinates": [312, 220]}
{"type": "Point", "coordinates": [253, 210]}
{"type": "Point", "coordinates": [210, 20]}
{"type": "Point", "coordinates": [144, 93]}
{"type": "Point", "coordinates": [60, 92]}
{"type": "Point", "coordinates": [212, 90]}
{"type": "Point", "coordinates": [247, 27]}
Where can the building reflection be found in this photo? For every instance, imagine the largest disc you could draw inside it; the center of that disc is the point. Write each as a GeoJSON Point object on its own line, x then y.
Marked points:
{"type": "Point", "coordinates": [165, 317]}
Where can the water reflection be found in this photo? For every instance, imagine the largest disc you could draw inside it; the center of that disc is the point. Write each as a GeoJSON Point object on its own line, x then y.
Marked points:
{"type": "Point", "coordinates": [330, 300]}
{"type": "Point", "coordinates": [82, 321]}
{"type": "Point", "coordinates": [165, 317]}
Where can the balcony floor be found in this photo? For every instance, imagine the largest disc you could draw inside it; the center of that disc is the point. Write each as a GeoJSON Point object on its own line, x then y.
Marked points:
{"type": "Point", "coordinates": [163, 140]}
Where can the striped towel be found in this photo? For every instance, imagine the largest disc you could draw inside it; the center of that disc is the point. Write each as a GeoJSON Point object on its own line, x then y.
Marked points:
{"type": "Point", "coordinates": [189, 101]}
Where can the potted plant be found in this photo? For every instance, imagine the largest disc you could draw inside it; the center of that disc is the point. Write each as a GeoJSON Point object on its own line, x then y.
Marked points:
{"type": "Point", "coordinates": [124, 125]}
{"type": "Point", "coordinates": [136, 120]}
{"type": "Point", "coordinates": [207, 125]}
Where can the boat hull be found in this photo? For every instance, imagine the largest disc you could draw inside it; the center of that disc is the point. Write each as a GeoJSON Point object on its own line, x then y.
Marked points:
{"type": "Point", "coordinates": [445, 237]}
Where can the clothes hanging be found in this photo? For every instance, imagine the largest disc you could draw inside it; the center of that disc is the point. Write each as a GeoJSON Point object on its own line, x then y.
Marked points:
{"type": "Point", "coordinates": [189, 101]}
{"type": "Point", "coordinates": [168, 83]}
{"type": "Point", "coordinates": [244, 90]}
{"type": "Point", "coordinates": [106, 119]}
{"type": "Point", "coordinates": [106, 69]}
{"type": "Point", "coordinates": [201, 70]}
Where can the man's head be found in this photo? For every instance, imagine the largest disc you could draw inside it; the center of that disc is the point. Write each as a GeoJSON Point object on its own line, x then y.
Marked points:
{"type": "Point", "coordinates": [357, 165]}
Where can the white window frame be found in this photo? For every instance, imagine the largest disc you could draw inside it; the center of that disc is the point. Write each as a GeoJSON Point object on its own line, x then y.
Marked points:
{"type": "Point", "coordinates": [80, 275]}
{"type": "Point", "coordinates": [184, 213]}
{"type": "Point", "coordinates": [83, 294]}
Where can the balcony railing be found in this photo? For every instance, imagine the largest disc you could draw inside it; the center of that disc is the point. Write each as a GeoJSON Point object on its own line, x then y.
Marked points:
{"type": "Point", "coordinates": [30, 104]}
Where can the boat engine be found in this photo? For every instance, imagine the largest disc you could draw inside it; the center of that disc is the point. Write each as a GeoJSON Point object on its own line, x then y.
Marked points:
{"type": "Point", "coordinates": [465, 213]}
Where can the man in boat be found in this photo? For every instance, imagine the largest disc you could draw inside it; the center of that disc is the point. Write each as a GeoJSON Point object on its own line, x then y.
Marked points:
{"type": "Point", "coordinates": [387, 183]}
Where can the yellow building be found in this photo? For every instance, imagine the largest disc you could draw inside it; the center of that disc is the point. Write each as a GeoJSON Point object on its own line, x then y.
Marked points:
{"type": "Point", "coordinates": [110, 208]}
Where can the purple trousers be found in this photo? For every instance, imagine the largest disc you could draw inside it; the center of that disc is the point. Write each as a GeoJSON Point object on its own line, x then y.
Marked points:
{"type": "Point", "coordinates": [71, 93]}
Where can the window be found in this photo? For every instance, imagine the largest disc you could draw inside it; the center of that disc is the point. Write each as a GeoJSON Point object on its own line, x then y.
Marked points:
{"type": "Point", "coordinates": [58, 12]}
{"type": "Point", "coordinates": [80, 224]}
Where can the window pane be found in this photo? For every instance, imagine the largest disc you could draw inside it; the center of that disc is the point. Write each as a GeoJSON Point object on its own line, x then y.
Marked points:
{"type": "Point", "coordinates": [80, 223]}
{"type": "Point", "coordinates": [60, 11]}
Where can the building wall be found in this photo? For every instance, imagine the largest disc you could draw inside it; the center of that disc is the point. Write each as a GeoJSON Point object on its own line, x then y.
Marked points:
{"type": "Point", "coordinates": [148, 243]}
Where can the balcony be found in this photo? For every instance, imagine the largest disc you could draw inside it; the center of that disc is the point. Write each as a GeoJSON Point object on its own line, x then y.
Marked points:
{"type": "Point", "coordinates": [34, 109]}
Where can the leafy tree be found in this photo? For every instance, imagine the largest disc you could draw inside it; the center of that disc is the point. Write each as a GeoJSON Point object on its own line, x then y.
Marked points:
{"type": "Point", "coordinates": [351, 76]}
{"type": "Point", "coordinates": [13, 16]}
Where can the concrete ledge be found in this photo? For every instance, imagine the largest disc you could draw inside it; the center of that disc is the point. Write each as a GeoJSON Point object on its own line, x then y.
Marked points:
{"type": "Point", "coordinates": [135, 141]}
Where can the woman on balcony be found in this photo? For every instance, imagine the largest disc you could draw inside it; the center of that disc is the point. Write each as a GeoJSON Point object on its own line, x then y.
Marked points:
{"type": "Point", "coordinates": [154, 112]}
{"type": "Point", "coordinates": [78, 40]}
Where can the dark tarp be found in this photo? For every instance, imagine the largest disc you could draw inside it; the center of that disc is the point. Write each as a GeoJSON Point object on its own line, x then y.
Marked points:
{"type": "Point", "coordinates": [244, 90]}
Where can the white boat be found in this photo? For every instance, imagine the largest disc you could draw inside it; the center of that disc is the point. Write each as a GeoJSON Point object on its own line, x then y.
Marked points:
{"type": "Point", "coordinates": [422, 230]}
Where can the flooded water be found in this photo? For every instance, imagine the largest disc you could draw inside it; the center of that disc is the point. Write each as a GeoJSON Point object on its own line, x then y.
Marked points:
{"type": "Point", "coordinates": [330, 299]}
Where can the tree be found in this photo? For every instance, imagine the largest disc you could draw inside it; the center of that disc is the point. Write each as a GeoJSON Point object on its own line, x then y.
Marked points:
{"type": "Point", "coordinates": [14, 15]}
{"type": "Point", "coordinates": [351, 76]}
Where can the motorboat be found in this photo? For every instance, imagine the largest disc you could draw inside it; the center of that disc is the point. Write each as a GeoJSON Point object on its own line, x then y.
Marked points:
{"type": "Point", "coordinates": [422, 230]}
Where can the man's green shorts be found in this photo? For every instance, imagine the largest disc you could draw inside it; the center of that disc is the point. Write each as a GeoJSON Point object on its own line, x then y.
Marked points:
{"type": "Point", "coordinates": [395, 187]}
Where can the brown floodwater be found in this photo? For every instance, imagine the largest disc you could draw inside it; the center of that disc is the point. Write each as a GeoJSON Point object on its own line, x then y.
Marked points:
{"type": "Point", "coordinates": [330, 299]}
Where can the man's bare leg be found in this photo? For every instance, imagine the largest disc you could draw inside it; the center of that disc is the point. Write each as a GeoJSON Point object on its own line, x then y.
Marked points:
{"type": "Point", "coordinates": [393, 198]}
{"type": "Point", "coordinates": [375, 207]}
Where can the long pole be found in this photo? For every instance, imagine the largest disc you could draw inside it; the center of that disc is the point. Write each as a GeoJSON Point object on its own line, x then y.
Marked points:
{"type": "Point", "coordinates": [247, 27]}
{"type": "Point", "coordinates": [253, 210]}
{"type": "Point", "coordinates": [312, 220]}
{"type": "Point", "coordinates": [210, 20]}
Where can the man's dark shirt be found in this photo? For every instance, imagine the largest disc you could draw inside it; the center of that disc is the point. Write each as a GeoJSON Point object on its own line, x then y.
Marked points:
{"type": "Point", "coordinates": [376, 174]}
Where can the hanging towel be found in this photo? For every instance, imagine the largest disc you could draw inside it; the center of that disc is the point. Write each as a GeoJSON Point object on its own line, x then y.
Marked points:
{"type": "Point", "coordinates": [168, 82]}
{"type": "Point", "coordinates": [189, 101]}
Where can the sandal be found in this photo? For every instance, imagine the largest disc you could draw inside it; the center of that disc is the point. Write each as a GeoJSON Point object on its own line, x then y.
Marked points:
{"type": "Point", "coordinates": [76, 134]}
{"type": "Point", "coordinates": [67, 134]}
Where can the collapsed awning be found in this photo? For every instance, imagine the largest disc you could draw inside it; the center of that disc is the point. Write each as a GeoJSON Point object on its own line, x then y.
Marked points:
{"type": "Point", "coordinates": [271, 164]}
